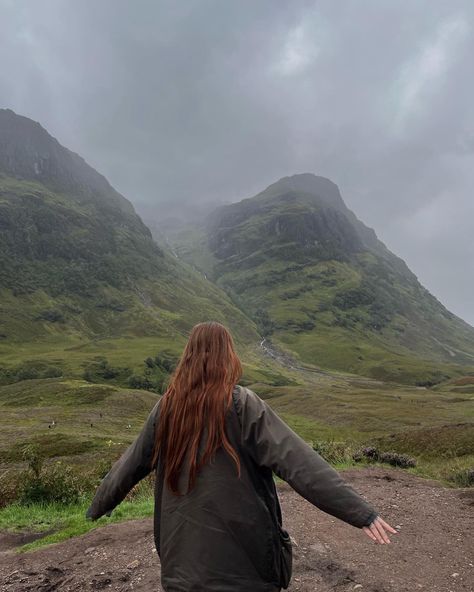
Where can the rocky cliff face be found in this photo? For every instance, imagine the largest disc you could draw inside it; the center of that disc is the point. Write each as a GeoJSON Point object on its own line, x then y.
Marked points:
{"type": "Point", "coordinates": [305, 221]}
{"type": "Point", "coordinates": [302, 217]}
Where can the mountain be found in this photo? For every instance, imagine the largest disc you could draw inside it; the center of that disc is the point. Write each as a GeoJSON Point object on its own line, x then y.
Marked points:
{"type": "Point", "coordinates": [78, 265]}
{"type": "Point", "coordinates": [63, 227]}
{"type": "Point", "coordinates": [319, 283]}
{"type": "Point", "coordinates": [90, 304]}
{"type": "Point", "coordinates": [80, 274]}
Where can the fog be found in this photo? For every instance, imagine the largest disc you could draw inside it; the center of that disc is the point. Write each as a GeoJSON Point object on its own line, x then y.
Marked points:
{"type": "Point", "coordinates": [200, 101]}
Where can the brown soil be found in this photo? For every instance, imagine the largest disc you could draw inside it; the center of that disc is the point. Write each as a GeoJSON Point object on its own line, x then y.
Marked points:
{"type": "Point", "coordinates": [434, 550]}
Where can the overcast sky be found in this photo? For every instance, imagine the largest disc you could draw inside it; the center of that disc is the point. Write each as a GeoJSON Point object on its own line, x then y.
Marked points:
{"type": "Point", "coordinates": [197, 100]}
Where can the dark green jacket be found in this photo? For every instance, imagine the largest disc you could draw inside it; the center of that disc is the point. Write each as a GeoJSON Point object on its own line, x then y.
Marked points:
{"type": "Point", "coordinates": [222, 535]}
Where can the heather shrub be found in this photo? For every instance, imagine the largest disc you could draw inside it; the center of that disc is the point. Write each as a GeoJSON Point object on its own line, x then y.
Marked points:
{"type": "Point", "coordinates": [55, 482]}
{"type": "Point", "coordinates": [372, 454]}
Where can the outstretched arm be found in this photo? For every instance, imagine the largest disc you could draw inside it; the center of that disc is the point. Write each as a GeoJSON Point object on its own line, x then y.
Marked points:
{"type": "Point", "coordinates": [275, 445]}
{"type": "Point", "coordinates": [133, 465]}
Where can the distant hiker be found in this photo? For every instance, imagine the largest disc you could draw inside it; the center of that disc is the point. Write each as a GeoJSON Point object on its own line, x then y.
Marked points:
{"type": "Point", "coordinates": [92, 425]}
{"type": "Point", "coordinates": [215, 446]}
{"type": "Point", "coordinates": [100, 414]}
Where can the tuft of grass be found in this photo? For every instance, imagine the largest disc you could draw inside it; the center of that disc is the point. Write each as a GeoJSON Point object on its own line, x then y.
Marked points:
{"type": "Point", "coordinates": [335, 453]}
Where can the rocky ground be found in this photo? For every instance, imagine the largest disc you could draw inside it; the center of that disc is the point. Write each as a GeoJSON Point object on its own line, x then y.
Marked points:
{"type": "Point", "coordinates": [433, 551]}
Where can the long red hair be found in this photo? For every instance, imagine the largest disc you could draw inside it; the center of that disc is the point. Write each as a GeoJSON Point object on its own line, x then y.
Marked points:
{"type": "Point", "coordinates": [196, 400]}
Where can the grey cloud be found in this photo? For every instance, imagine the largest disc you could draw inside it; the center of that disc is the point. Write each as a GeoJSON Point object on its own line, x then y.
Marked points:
{"type": "Point", "coordinates": [211, 101]}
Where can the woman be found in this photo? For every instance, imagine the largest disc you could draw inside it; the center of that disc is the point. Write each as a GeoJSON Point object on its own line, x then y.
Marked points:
{"type": "Point", "coordinates": [215, 446]}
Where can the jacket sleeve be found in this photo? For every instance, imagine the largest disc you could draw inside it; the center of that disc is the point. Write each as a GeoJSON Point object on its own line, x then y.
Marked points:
{"type": "Point", "coordinates": [273, 444]}
{"type": "Point", "coordinates": [133, 465]}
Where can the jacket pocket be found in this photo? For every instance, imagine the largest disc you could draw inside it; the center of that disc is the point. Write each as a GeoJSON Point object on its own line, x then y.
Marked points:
{"type": "Point", "coordinates": [286, 558]}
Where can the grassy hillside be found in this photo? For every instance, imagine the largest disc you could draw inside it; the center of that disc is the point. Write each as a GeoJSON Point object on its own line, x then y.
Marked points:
{"type": "Point", "coordinates": [93, 423]}
{"type": "Point", "coordinates": [90, 420]}
{"type": "Point", "coordinates": [318, 282]}
{"type": "Point", "coordinates": [81, 278]}
{"type": "Point", "coordinates": [71, 270]}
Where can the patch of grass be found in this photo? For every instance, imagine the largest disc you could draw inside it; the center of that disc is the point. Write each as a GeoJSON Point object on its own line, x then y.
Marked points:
{"type": "Point", "coordinates": [55, 393]}
{"type": "Point", "coordinates": [462, 477]}
{"type": "Point", "coordinates": [89, 420]}
{"type": "Point", "coordinates": [446, 441]}
{"type": "Point", "coordinates": [463, 381]}
{"type": "Point", "coordinates": [361, 353]}
{"type": "Point", "coordinates": [66, 520]}
{"type": "Point", "coordinates": [54, 445]}
{"type": "Point", "coordinates": [450, 471]}
{"type": "Point", "coordinates": [334, 452]}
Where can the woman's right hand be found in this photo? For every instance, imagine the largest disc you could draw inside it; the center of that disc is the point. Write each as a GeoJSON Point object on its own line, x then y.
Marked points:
{"type": "Point", "coordinates": [377, 531]}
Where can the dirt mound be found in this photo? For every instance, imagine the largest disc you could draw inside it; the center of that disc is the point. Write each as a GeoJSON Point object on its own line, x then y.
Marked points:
{"type": "Point", "coordinates": [433, 550]}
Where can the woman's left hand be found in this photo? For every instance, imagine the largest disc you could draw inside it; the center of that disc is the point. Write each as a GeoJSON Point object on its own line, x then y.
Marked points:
{"type": "Point", "coordinates": [377, 531]}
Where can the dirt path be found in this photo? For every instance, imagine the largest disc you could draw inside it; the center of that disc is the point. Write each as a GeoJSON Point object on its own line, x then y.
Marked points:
{"type": "Point", "coordinates": [434, 550]}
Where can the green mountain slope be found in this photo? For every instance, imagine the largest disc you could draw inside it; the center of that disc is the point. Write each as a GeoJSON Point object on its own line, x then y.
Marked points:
{"type": "Point", "coordinates": [320, 283]}
{"type": "Point", "coordinates": [78, 266]}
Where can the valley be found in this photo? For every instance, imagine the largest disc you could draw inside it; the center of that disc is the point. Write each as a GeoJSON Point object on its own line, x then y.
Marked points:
{"type": "Point", "coordinates": [333, 330]}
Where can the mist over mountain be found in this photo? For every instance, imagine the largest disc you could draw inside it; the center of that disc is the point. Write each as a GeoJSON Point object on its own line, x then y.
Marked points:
{"type": "Point", "coordinates": [292, 264]}
{"type": "Point", "coordinates": [317, 280]}
{"type": "Point", "coordinates": [28, 152]}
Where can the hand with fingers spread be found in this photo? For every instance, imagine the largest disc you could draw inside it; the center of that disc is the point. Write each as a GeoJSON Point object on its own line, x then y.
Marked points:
{"type": "Point", "coordinates": [377, 531]}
